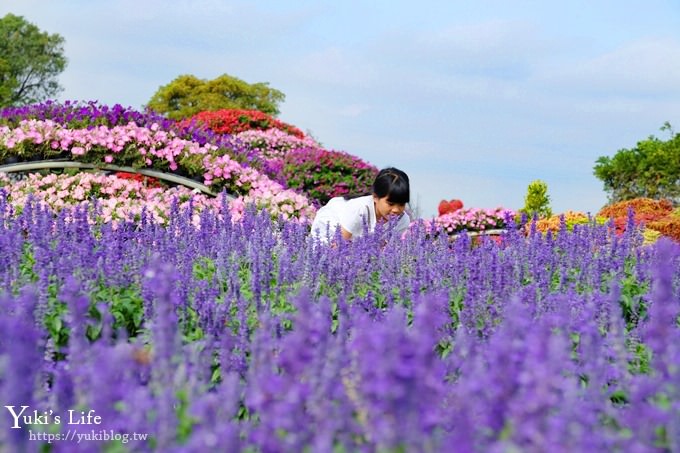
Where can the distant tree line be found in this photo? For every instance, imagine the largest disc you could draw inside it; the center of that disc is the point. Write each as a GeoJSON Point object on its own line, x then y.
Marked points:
{"type": "Point", "coordinates": [649, 170]}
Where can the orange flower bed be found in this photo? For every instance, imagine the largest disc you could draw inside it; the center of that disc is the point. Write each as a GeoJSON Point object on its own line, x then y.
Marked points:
{"type": "Point", "coordinates": [553, 223]}
{"type": "Point", "coordinates": [669, 226]}
{"type": "Point", "coordinates": [645, 208]}
{"type": "Point", "coordinates": [656, 215]}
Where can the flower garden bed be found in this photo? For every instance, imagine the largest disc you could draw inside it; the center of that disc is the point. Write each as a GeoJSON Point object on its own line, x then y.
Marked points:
{"type": "Point", "coordinates": [101, 136]}
{"type": "Point", "coordinates": [125, 172]}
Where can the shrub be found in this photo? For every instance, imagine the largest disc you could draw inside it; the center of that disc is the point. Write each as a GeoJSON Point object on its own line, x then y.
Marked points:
{"type": "Point", "coordinates": [236, 121]}
{"type": "Point", "coordinates": [324, 174]}
{"type": "Point", "coordinates": [537, 200]}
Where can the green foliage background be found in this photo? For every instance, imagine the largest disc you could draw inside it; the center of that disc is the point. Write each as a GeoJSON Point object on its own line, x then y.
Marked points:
{"type": "Point", "coordinates": [649, 170]}
{"type": "Point", "coordinates": [537, 200]}
{"type": "Point", "coordinates": [188, 95]}
{"type": "Point", "coordinates": [30, 61]}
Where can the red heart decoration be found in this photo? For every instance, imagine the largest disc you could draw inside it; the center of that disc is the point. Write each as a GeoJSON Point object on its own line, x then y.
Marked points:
{"type": "Point", "coordinates": [455, 205]}
{"type": "Point", "coordinates": [443, 207]}
{"type": "Point", "coordinates": [449, 206]}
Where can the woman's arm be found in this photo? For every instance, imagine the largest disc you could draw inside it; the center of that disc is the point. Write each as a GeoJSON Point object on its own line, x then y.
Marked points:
{"type": "Point", "coordinates": [353, 215]}
{"type": "Point", "coordinates": [345, 234]}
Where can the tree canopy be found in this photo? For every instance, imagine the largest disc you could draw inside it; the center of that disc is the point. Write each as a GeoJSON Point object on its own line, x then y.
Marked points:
{"type": "Point", "coordinates": [30, 61]}
{"type": "Point", "coordinates": [649, 170]}
{"type": "Point", "coordinates": [187, 95]}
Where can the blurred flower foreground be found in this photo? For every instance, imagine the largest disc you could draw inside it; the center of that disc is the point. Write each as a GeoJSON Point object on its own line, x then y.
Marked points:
{"type": "Point", "coordinates": [142, 317]}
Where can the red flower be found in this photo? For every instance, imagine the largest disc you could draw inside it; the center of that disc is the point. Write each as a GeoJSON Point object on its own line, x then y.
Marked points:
{"type": "Point", "coordinates": [147, 180]}
{"type": "Point", "coordinates": [233, 121]}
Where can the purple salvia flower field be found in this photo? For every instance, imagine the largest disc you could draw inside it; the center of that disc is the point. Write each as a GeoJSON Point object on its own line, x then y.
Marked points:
{"type": "Point", "coordinates": [161, 320]}
{"type": "Point", "coordinates": [250, 336]}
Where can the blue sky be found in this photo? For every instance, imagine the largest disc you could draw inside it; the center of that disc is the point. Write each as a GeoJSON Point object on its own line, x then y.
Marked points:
{"type": "Point", "coordinates": [474, 100]}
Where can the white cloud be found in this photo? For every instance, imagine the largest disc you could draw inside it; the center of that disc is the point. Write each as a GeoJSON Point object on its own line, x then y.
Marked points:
{"type": "Point", "coordinates": [500, 48]}
{"type": "Point", "coordinates": [333, 67]}
{"type": "Point", "coordinates": [648, 66]}
{"type": "Point", "coordinates": [353, 110]}
{"type": "Point", "coordinates": [484, 44]}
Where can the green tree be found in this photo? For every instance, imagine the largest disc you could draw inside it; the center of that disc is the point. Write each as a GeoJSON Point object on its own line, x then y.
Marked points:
{"type": "Point", "coordinates": [30, 61]}
{"type": "Point", "coordinates": [187, 95]}
{"type": "Point", "coordinates": [537, 200]}
{"type": "Point", "coordinates": [650, 170]}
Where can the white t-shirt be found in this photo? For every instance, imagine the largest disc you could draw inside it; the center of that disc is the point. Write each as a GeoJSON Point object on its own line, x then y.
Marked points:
{"type": "Point", "coordinates": [351, 215]}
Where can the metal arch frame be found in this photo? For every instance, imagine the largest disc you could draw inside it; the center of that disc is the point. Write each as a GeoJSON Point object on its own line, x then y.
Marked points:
{"type": "Point", "coordinates": [49, 164]}
{"type": "Point", "coordinates": [474, 234]}
{"type": "Point", "coordinates": [495, 232]}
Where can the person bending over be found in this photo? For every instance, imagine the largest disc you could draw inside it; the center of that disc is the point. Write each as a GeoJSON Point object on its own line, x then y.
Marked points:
{"type": "Point", "coordinates": [388, 201]}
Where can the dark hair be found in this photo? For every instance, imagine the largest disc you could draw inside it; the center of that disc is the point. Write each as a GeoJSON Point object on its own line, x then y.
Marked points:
{"type": "Point", "coordinates": [393, 184]}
